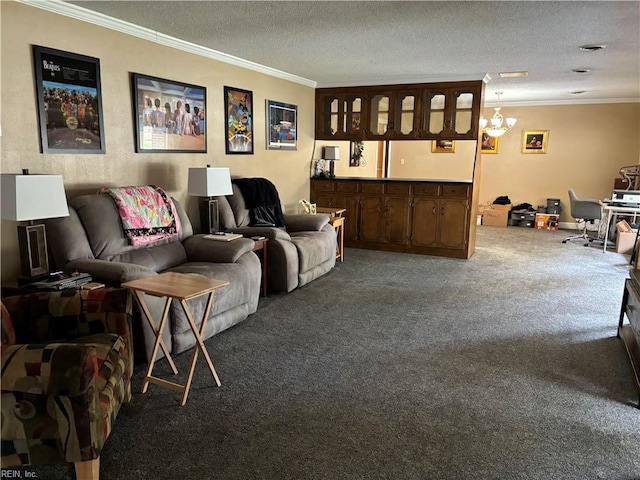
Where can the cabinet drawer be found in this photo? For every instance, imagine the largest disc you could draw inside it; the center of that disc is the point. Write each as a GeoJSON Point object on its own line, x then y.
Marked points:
{"type": "Point", "coordinates": [322, 186]}
{"type": "Point", "coordinates": [633, 307]}
{"type": "Point", "coordinates": [348, 187]}
{"type": "Point", "coordinates": [455, 190]}
{"type": "Point", "coordinates": [371, 187]}
{"type": "Point", "coordinates": [397, 188]}
{"type": "Point", "coordinates": [430, 189]}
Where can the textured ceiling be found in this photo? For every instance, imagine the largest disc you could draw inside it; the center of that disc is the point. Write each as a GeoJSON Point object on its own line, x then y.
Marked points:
{"type": "Point", "coordinates": [343, 43]}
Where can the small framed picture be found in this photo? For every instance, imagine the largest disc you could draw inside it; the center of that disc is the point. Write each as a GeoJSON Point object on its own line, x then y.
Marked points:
{"type": "Point", "coordinates": [489, 144]}
{"type": "Point", "coordinates": [535, 141]}
{"type": "Point", "coordinates": [282, 126]}
{"type": "Point", "coordinates": [238, 105]}
{"type": "Point", "coordinates": [443, 146]}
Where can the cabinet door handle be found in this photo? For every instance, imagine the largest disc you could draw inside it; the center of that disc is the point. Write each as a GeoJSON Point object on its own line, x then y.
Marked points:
{"type": "Point", "coordinates": [442, 211]}
{"type": "Point", "coordinates": [433, 211]}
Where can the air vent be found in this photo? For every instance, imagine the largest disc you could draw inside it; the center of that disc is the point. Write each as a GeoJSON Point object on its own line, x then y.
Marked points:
{"type": "Point", "coordinates": [592, 48]}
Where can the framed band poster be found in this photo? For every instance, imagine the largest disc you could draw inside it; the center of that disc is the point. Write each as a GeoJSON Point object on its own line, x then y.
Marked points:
{"type": "Point", "coordinates": [238, 105]}
{"type": "Point", "coordinates": [169, 115]}
{"type": "Point", "coordinates": [69, 102]}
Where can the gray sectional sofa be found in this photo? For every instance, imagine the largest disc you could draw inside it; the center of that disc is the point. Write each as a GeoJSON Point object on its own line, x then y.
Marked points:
{"type": "Point", "coordinates": [91, 239]}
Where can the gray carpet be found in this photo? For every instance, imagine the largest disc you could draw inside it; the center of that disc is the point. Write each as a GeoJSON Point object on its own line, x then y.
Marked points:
{"type": "Point", "coordinates": [399, 366]}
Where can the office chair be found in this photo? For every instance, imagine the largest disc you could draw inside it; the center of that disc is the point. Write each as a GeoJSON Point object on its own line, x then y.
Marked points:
{"type": "Point", "coordinates": [585, 210]}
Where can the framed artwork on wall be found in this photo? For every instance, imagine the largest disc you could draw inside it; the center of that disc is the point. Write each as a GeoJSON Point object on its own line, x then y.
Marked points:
{"type": "Point", "coordinates": [169, 116]}
{"type": "Point", "coordinates": [443, 146]}
{"type": "Point", "coordinates": [69, 100]}
{"type": "Point", "coordinates": [238, 105]}
{"type": "Point", "coordinates": [489, 144]}
{"type": "Point", "coordinates": [282, 126]}
{"type": "Point", "coordinates": [535, 141]}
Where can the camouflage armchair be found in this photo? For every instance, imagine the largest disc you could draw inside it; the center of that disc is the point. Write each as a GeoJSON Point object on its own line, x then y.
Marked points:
{"type": "Point", "coordinates": [66, 370]}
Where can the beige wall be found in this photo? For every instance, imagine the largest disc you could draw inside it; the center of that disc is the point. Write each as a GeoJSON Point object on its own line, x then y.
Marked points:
{"type": "Point", "coordinates": [119, 55]}
{"type": "Point", "coordinates": [587, 143]}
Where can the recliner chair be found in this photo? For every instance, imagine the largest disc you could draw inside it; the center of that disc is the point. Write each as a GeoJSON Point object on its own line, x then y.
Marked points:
{"type": "Point", "coordinates": [585, 210]}
{"type": "Point", "coordinates": [300, 250]}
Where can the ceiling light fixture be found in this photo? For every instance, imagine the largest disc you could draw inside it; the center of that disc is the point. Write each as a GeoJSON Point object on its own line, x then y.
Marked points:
{"type": "Point", "coordinates": [496, 129]}
{"type": "Point", "coordinates": [522, 73]}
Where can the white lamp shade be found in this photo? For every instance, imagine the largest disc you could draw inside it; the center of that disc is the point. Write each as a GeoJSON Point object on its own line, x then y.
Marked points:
{"type": "Point", "coordinates": [209, 182]}
{"type": "Point", "coordinates": [331, 153]}
{"type": "Point", "coordinates": [33, 197]}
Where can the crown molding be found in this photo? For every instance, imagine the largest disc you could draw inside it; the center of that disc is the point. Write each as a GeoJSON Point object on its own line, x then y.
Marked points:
{"type": "Point", "coordinates": [99, 19]}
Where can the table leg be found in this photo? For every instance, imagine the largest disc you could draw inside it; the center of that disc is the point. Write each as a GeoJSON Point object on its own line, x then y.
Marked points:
{"type": "Point", "coordinates": [154, 352]}
{"type": "Point", "coordinates": [156, 331]}
{"type": "Point", "coordinates": [606, 232]}
{"type": "Point", "coordinates": [199, 345]}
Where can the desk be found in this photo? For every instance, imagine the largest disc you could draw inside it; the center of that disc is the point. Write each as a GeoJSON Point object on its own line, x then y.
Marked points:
{"type": "Point", "coordinates": [613, 211]}
{"type": "Point", "coordinates": [181, 287]}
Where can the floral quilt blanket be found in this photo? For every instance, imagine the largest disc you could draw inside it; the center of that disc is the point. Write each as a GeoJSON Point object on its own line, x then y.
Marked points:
{"type": "Point", "coordinates": [147, 213]}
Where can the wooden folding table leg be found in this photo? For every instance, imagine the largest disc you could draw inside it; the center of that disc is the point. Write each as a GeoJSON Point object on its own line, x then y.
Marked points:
{"type": "Point", "coordinates": [199, 345]}
{"type": "Point", "coordinates": [152, 324]}
{"type": "Point", "coordinates": [154, 351]}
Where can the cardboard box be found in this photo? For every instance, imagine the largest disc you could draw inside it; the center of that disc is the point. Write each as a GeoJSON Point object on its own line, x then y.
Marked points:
{"type": "Point", "coordinates": [547, 221]}
{"type": "Point", "coordinates": [496, 215]}
{"type": "Point", "coordinates": [625, 237]}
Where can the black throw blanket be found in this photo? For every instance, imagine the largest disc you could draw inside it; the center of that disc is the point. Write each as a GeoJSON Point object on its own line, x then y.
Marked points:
{"type": "Point", "coordinates": [262, 200]}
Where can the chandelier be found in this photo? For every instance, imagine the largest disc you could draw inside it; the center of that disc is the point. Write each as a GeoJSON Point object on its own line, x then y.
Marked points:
{"type": "Point", "coordinates": [495, 128]}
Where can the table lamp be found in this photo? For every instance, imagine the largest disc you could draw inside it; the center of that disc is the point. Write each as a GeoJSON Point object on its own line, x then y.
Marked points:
{"type": "Point", "coordinates": [332, 154]}
{"type": "Point", "coordinates": [209, 182]}
{"type": "Point", "coordinates": [27, 198]}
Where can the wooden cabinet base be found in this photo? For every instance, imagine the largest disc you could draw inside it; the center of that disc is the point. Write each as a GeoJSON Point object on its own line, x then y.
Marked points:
{"type": "Point", "coordinates": [407, 216]}
{"type": "Point", "coordinates": [394, 247]}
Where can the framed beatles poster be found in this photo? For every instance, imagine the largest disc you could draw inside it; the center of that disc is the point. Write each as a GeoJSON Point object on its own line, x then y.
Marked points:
{"type": "Point", "coordinates": [239, 121]}
{"type": "Point", "coordinates": [169, 115]}
{"type": "Point", "coordinates": [69, 102]}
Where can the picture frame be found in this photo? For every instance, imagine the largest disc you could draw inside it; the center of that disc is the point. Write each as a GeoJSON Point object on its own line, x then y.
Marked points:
{"type": "Point", "coordinates": [238, 107]}
{"type": "Point", "coordinates": [169, 116]}
{"type": "Point", "coordinates": [443, 146]}
{"type": "Point", "coordinates": [69, 102]}
{"type": "Point", "coordinates": [489, 144]}
{"type": "Point", "coordinates": [282, 126]}
{"type": "Point", "coordinates": [535, 141]}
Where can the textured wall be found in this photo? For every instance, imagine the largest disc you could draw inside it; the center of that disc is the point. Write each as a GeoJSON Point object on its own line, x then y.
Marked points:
{"type": "Point", "coordinates": [119, 55]}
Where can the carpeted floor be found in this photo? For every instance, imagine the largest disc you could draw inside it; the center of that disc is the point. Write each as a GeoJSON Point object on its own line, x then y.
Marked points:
{"type": "Point", "coordinates": [398, 366]}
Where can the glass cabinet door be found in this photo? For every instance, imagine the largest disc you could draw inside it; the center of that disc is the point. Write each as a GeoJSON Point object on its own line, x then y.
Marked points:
{"type": "Point", "coordinates": [330, 115]}
{"type": "Point", "coordinates": [404, 113]}
{"type": "Point", "coordinates": [462, 116]}
{"type": "Point", "coordinates": [434, 115]}
{"type": "Point", "coordinates": [352, 119]}
{"type": "Point", "coordinates": [379, 124]}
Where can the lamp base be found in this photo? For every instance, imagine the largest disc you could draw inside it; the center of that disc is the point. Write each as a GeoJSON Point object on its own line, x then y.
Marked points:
{"type": "Point", "coordinates": [209, 217]}
{"type": "Point", "coordinates": [32, 241]}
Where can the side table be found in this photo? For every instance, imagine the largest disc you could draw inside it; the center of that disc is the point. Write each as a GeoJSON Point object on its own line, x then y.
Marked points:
{"type": "Point", "coordinates": [261, 246]}
{"type": "Point", "coordinates": [338, 224]}
{"type": "Point", "coordinates": [181, 287]}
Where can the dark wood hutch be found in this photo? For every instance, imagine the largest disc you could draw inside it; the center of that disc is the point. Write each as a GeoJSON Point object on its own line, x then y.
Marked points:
{"type": "Point", "coordinates": [434, 217]}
